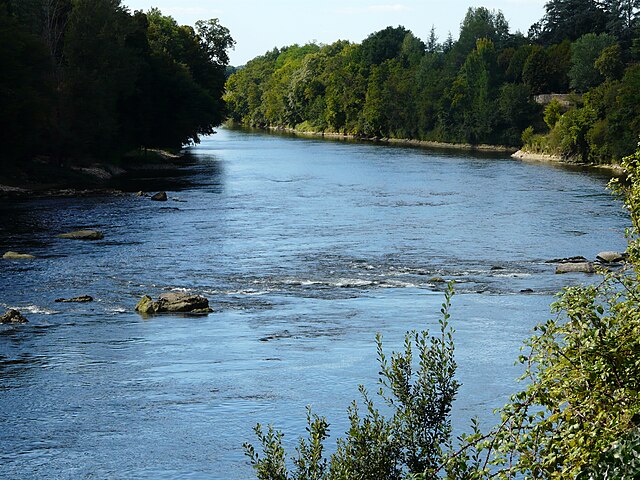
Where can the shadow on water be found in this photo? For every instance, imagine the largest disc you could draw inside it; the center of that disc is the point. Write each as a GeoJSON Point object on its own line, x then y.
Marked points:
{"type": "Point", "coordinates": [176, 176]}
{"type": "Point", "coordinates": [32, 223]}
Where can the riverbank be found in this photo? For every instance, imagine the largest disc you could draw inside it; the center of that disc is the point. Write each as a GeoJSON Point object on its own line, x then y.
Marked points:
{"type": "Point", "coordinates": [397, 141]}
{"type": "Point", "coordinates": [526, 156]}
{"type": "Point", "coordinates": [515, 153]}
{"type": "Point", "coordinates": [47, 177]}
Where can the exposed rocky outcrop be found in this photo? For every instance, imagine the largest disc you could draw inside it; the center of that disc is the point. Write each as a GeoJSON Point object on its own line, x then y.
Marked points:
{"type": "Point", "coordinates": [174, 303]}
{"type": "Point", "coordinates": [610, 257]}
{"type": "Point", "coordinates": [83, 235]}
{"type": "Point", "coordinates": [80, 299]}
{"type": "Point", "coordinates": [575, 267]}
{"type": "Point", "coordinates": [160, 197]}
{"type": "Point", "coordinates": [17, 256]}
{"type": "Point", "coordinates": [13, 316]}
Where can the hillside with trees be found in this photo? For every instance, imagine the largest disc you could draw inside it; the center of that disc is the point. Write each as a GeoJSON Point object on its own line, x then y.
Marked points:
{"type": "Point", "coordinates": [88, 79]}
{"type": "Point", "coordinates": [480, 88]}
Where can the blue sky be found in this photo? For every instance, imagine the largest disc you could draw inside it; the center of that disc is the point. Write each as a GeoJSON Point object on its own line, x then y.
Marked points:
{"type": "Point", "coordinates": [258, 26]}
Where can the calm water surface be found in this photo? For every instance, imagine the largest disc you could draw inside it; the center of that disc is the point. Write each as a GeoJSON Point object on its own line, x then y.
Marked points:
{"type": "Point", "coordinates": [306, 249]}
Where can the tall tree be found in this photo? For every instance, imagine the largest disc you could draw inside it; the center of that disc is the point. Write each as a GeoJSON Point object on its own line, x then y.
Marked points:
{"type": "Point", "coordinates": [570, 19]}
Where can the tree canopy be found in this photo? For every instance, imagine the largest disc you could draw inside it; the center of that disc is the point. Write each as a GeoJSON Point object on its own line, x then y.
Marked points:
{"type": "Point", "coordinates": [479, 89]}
{"type": "Point", "coordinates": [88, 79]}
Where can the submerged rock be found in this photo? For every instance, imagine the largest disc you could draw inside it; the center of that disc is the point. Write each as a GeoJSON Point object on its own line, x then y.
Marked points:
{"type": "Point", "coordinates": [610, 257]}
{"type": "Point", "coordinates": [80, 299]}
{"type": "Point", "coordinates": [83, 235]}
{"type": "Point", "coordinates": [575, 267]}
{"type": "Point", "coordinates": [13, 316]}
{"type": "Point", "coordinates": [160, 197]}
{"type": "Point", "coordinates": [174, 303]}
{"type": "Point", "coordinates": [578, 259]}
{"type": "Point", "coordinates": [17, 256]}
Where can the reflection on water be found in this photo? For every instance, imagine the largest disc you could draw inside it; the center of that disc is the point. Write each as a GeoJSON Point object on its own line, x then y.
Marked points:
{"type": "Point", "coordinates": [305, 249]}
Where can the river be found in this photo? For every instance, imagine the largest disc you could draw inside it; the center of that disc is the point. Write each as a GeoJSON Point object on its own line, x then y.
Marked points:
{"type": "Point", "coordinates": [305, 248]}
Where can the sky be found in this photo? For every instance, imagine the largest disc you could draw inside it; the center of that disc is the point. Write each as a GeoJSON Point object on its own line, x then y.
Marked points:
{"type": "Point", "coordinates": [258, 26]}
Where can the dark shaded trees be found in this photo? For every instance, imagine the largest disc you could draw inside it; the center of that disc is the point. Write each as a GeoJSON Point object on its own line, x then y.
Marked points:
{"type": "Point", "coordinates": [26, 90]}
{"type": "Point", "coordinates": [90, 80]}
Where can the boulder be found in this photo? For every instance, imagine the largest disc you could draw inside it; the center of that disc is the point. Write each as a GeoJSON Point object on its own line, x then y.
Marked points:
{"type": "Point", "coordinates": [174, 303]}
{"type": "Point", "coordinates": [610, 257]}
{"type": "Point", "coordinates": [160, 197]}
{"type": "Point", "coordinates": [80, 299]}
{"type": "Point", "coordinates": [13, 316]}
{"type": "Point", "coordinates": [575, 267]}
{"type": "Point", "coordinates": [17, 256]}
{"type": "Point", "coordinates": [83, 235]}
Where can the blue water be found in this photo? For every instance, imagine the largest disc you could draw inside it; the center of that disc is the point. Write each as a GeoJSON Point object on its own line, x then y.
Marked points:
{"type": "Point", "coordinates": [305, 249]}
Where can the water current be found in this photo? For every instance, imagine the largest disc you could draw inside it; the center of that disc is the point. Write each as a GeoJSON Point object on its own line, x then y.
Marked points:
{"type": "Point", "coordinates": [305, 249]}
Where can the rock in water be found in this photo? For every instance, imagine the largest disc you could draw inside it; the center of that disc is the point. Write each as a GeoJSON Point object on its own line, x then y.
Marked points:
{"type": "Point", "coordinates": [83, 235]}
{"type": "Point", "coordinates": [80, 299]}
{"type": "Point", "coordinates": [577, 267]}
{"type": "Point", "coordinates": [610, 257]}
{"type": "Point", "coordinates": [174, 303]}
{"type": "Point", "coordinates": [146, 306]}
{"type": "Point", "coordinates": [17, 256]}
{"type": "Point", "coordinates": [579, 259]}
{"type": "Point", "coordinates": [13, 316]}
{"type": "Point", "coordinates": [160, 197]}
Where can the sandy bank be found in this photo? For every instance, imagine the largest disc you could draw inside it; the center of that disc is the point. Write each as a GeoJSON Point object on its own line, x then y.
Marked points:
{"type": "Point", "coordinates": [615, 169]}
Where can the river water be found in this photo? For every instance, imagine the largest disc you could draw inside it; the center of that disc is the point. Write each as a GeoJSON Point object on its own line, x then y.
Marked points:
{"type": "Point", "coordinates": [305, 249]}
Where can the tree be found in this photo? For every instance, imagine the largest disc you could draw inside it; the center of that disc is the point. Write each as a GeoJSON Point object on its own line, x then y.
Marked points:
{"type": "Point", "coordinates": [622, 17]}
{"type": "Point", "coordinates": [570, 19]}
{"type": "Point", "coordinates": [99, 72]}
{"type": "Point", "coordinates": [481, 23]}
{"type": "Point", "coordinates": [26, 92]}
{"type": "Point", "coordinates": [383, 45]}
{"type": "Point", "coordinates": [585, 51]}
{"type": "Point", "coordinates": [552, 113]}
{"type": "Point", "coordinates": [609, 62]}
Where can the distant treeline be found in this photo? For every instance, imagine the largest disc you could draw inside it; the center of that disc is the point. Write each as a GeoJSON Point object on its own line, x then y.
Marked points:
{"type": "Point", "coordinates": [87, 79]}
{"type": "Point", "coordinates": [478, 89]}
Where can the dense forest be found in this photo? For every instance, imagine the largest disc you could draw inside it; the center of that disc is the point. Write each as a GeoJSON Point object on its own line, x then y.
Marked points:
{"type": "Point", "coordinates": [88, 79]}
{"type": "Point", "coordinates": [480, 88]}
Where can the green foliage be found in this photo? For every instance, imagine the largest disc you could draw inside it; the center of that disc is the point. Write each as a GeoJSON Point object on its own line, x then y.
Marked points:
{"type": "Point", "coordinates": [584, 53]}
{"type": "Point", "coordinates": [384, 45]}
{"type": "Point", "coordinates": [481, 23]}
{"type": "Point", "coordinates": [609, 62]}
{"type": "Point", "coordinates": [419, 387]}
{"type": "Point", "coordinates": [569, 19]}
{"type": "Point", "coordinates": [552, 113]}
{"type": "Point", "coordinates": [92, 80]}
